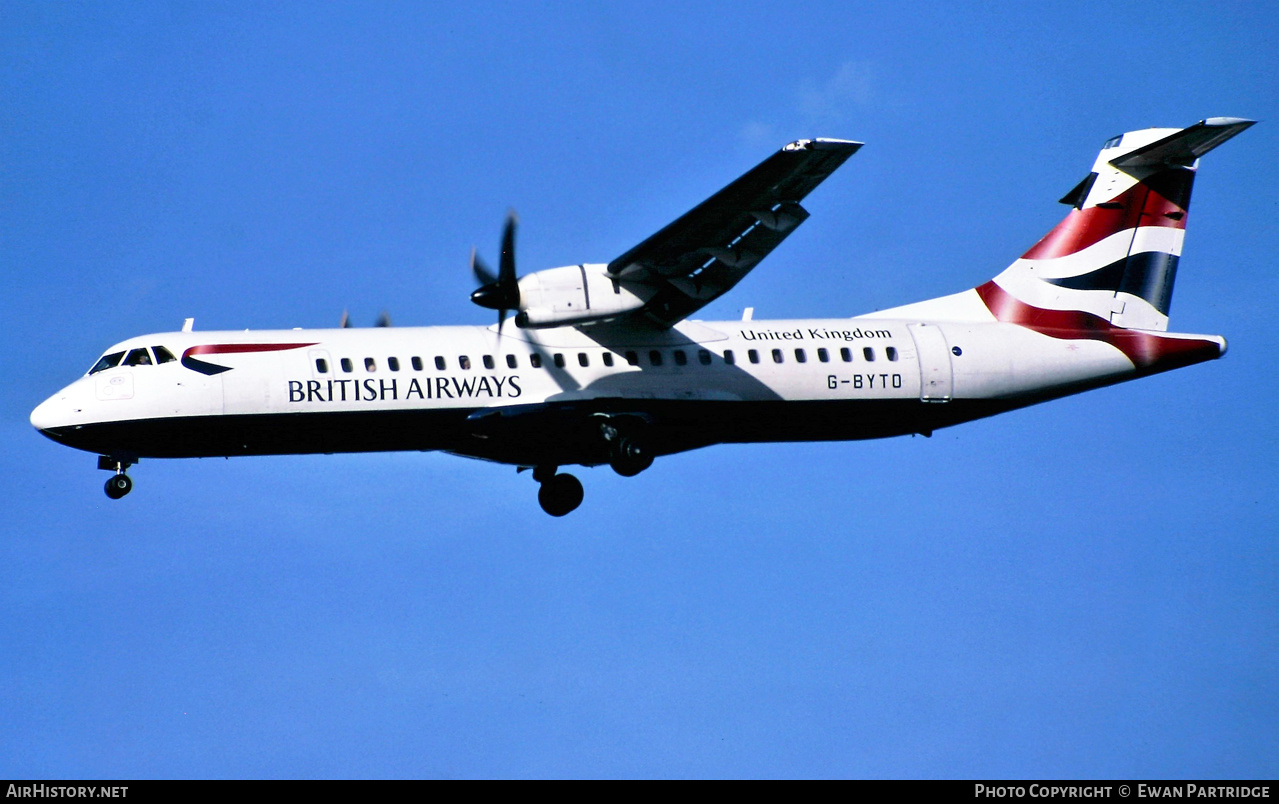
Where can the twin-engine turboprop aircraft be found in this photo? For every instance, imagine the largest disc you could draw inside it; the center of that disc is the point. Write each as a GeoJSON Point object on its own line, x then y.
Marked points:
{"type": "Point", "coordinates": [603, 365]}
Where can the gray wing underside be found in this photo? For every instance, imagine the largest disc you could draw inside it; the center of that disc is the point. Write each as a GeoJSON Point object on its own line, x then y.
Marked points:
{"type": "Point", "coordinates": [705, 252]}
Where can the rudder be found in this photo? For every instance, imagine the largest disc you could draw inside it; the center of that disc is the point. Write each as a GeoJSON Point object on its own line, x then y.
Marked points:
{"type": "Point", "coordinates": [1115, 254]}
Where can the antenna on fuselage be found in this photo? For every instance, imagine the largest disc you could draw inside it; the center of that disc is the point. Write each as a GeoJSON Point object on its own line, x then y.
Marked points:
{"type": "Point", "coordinates": [188, 324]}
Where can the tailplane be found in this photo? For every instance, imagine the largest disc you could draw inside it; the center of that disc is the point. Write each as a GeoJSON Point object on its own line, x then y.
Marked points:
{"type": "Point", "coordinates": [1115, 254]}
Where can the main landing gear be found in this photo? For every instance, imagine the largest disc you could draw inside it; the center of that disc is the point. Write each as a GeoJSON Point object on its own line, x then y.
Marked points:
{"type": "Point", "coordinates": [560, 494]}
{"type": "Point", "coordinates": [627, 453]}
{"type": "Point", "coordinates": [118, 484]}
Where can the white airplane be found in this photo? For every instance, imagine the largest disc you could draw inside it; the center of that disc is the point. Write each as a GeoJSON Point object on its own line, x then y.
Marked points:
{"type": "Point", "coordinates": [603, 365]}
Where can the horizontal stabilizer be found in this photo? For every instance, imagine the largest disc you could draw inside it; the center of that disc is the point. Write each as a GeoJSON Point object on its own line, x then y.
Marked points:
{"type": "Point", "coordinates": [1185, 146]}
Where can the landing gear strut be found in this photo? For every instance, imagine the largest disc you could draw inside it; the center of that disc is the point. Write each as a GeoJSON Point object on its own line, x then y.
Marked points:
{"type": "Point", "coordinates": [118, 484]}
{"type": "Point", "coordinates": [560, 494]}
{"type": "Point", "coordinates": [627, 454]}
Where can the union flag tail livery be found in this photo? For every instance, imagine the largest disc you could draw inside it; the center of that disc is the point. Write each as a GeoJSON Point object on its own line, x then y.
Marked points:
{"type": "Point", "coordinates": [1115, 255]}
{"type": "Point", "coordinates": [604, 367]}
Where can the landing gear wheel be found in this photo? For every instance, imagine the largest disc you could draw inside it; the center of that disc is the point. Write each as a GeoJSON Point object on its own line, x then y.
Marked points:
{"type": "Point", "coordinates": [118, 486]}
{"type": "Point", "coordinates": [629, 457]}
{"type": "Point", "coordinates": [560, 494]}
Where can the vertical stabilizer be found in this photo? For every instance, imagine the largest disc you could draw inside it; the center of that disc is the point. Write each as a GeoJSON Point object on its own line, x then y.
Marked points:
{"type": "Point", "coordinates": [1115, 254]}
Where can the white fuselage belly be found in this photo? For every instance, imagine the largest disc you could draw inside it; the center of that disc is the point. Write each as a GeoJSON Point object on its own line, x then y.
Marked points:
{"type": "Point", "coordinates": [382, 389]}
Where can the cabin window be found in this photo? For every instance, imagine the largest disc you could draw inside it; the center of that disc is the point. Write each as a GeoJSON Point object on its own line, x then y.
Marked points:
{"type": "Point", "coordinates": [869, 354]}
{"type": "Point", "coordinates": [370, 364]}
{"type": "Point", "coordinates": [107, 361]}
{"type": "Point", "coordinates": [608, 359]}
{"type": "Point", "coordinates": [681, 359]}
{"type": "Point", "coordinates": [138, 357]}
{"type": "Point", "coordinates": [846, 355]}
{"type": "Point", "coordinates": [703, 357]}
{"type": "Point", "coordinates": [535, 360]}
{"type": "Point", "coordinates": [891, 352]}
{"type": "Point", "coordinates": [163, 355]}
{"type": "Point", "coordinates": [346, 365]}
{"type": "Point", "coordinates": [800, 357]}
{"type": "Point", "coordinates": [655, 357]}
{"type": "Point", "coordinates": [464, 362]}
{"type": "Point", "coordinates": [777, 356]}
{"type": "Point", "coordinates": [488, 361]}
{"type": "Point", "coordinates": [823, 355]}
{"type": "Point", "coordinates": [439, 363]}
{"type": "Point", "coordinates": [511, 362]}
{"type": "Point", "coordinates": [729, 358]}
{"type": "Point", "coordinates": [417, 363]}
{"type": "Point", "coordinates": [321, 365]}
{"type": "Point", "coordinates": [583, 359]}
{"type": "Point", "coordinates": [558, 357]}
{"type": "Point", "coordinates": [632, 358]}
{"type": "Point", "coordinates": [393, 363]}
{"type": "Point", "coordinates": [753, 355]}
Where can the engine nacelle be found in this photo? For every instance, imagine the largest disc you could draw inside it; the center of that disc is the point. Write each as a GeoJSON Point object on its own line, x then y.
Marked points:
{"type": "Point", "coordinates": [576, 294]}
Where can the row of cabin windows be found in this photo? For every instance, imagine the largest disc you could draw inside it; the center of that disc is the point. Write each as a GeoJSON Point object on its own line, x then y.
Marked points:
{"type": "Point", "coordinates": [135, 357]}
{"type": "Point", "coordinates": [655, 358]}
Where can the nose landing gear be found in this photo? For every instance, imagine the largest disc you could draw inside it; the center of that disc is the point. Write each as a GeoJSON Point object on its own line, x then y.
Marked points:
{"type": "Point", "coordinates": [560, 494]}
{"type": "Point", "coordinates": [118, 484]}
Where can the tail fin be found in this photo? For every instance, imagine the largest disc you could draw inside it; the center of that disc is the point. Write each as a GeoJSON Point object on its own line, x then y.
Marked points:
{"type": "Point", "coordinates": [1115, 254]}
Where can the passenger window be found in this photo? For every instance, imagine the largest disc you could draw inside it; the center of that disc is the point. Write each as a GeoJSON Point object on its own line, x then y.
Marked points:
{"type": "Point", "coordinates": [346, 365]}
{"type": "Point", "coordinates": [439, 363]}
{"type": "Point", "coordinates": [800, 357]}
{"type": "Point", "coordinates": [464, 362]}
{"type": "Point", "coordinates": [681, 359]}
{"type": "Point", "coordinates": [417, 363]}
{"type": "Point", "coordinates": [138, 357]}
{"type": "Point", "coordinates": [107, 361]}
{"type": "Point", "coordinates": [393, 363]}
{"type": "Point", "coordinates": [535, 360]}
{"type": "Point", "coordinates": [558, 357]}
{"type": "Point", "coordinates": [703, 357]}
{"type": "Point", "coordinates": [608, 358]}
{"type": "Point", "coordinates": [655, 357]}
{"type": "Point", "coordinates": [729, 358]}
{"type": "Point", "coordinates": [846, 355]}
{"type": "Point", "coordinates": [321, 365]}
{"type": "Point", "coordinates": [511, 362]}
{"type": "Point", "coordinates": [632, 358]}
{"type": "Point", "coordinates": [583, 360]}
{"type": "Point", "coordinates": [163, 355]}
{"type": "Point", "coordinates": [891, 352]}
{"type": "Point", "coordinates": [777, 356]}
{"type": "Point", "coordinates": [869, 354]}
{"type": "Point", "coordinates": [823, 355]}
{"type": "Point", "coordinates": [370, 364]}
{"type": "Point", "coordinates": [488, 361]}
{"type": "Point", "coordinates": [753, 355]}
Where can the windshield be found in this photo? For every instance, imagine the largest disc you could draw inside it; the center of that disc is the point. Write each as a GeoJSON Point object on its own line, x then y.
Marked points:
{"type": "Point", "coordinates": [107, 361]}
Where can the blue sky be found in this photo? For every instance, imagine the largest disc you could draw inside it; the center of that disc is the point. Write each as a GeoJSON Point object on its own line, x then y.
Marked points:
{"type": "Point", "coordinates": [1088, 588]}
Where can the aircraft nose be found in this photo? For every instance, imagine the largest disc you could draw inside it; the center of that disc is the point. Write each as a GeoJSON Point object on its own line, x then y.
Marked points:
{"type": "Point", "coordinates": [45, 415]}
{"type": "Point", "coordinates": [57, 411]}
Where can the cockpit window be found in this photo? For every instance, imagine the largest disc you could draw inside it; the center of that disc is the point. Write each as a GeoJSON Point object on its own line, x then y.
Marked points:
{"type": "Point", "coordinates": [107, 361]}
{"type": "Point", "coordinates": [138, 357]}
{"type": "Point", "coordinates": [163, 355]}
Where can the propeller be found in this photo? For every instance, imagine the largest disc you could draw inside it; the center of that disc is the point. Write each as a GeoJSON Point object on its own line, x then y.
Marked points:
{"type": "Point", "coordinates": [500, 291]}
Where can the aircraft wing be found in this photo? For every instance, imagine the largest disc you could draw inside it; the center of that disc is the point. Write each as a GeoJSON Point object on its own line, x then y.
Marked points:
{"type": "Point", "coordinates": [706, 251]}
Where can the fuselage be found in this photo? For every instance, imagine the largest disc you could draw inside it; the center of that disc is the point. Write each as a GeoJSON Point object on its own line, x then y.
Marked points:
{"type": "Point", "coordinates": [521, 396]}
